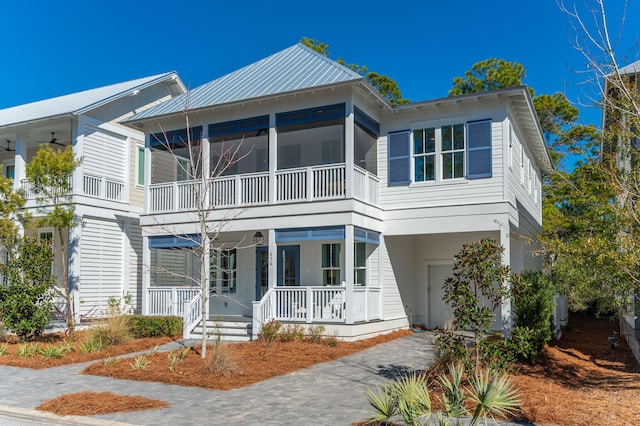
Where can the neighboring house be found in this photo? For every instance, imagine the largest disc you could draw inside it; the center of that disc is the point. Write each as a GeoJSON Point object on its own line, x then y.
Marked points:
{"type": "Point", "coordinates": [630, 323]}
{"type": "Point", "coordinates": [361, 205]}
{"type": "Point", "coordinates": [105, 248]}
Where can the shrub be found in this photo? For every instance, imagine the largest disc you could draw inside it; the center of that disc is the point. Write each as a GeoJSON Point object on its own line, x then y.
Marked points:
{"type": "Point", "coordinates": [315, 333]}
{"type": "Point", "coordinates": [91, 345]}
{"type": "Point", "coordinates": [331, 341]}
{"type": "Point", "coordinates": [54, 351]}
{"type": "Point", "coordinates": [219, 360]}
{"type": "Point", "coordinates": [269, 332]}
{"type": "Point", "coordinates": [294, 332]}
{"type": "Point", "coordinates": [114, 328]}
{"type": "Point", "coordinates": [150, 326]}
{"type": "Point", "coordinates": [533, 305]}
{"type": "Point", "coordinates": [26, 299]}
{"type": "Point", "coordinates": [27, 350]}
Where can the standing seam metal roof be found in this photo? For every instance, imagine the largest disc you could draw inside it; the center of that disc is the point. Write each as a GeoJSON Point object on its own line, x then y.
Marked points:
{"type": "Point", "coordinates": [75, 102]}
{"type": "Point", "coordinates": [631, 68]}
{"type": "Point", "coordinates": [294, 68]}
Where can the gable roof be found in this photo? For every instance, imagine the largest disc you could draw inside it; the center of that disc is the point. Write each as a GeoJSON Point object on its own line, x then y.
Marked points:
{"type": "Point", "coordinates": [291, 69]}
{"type": "Point", "coordinates": [77, 103]}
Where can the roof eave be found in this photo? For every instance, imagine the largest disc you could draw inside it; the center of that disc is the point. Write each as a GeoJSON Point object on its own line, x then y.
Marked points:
{"type": "Point", "coordinates": [166, 77]}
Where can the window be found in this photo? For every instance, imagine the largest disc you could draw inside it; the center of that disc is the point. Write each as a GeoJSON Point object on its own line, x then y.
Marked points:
{"type": "Point", "coordinates": [366, 134]}
{"type": "Point", "coordinates": [226, 273]}
{"type": "Point", "coordinates": [331, 264]}
{"type": "Point", "coordinates": [311, 137]}
{"type": "Point", "coordinates": [360, 264]}
{"type": "Point", "coordinates": [9, 170]}
{"type": "Point", "coordinates": [479, 157]}
{"type": "Point", "coordinates": [398, 153]}
{"type": "Point", "coordinates": [424, 154]}
{"type": "Point", "coordinates": [452, 151]}
{"type": "Point", "coordinates": [239, 146]}
{"type": "Point", "coordinates": [140, 177]}
{"type": "Point", "coordinates": [166, 147]}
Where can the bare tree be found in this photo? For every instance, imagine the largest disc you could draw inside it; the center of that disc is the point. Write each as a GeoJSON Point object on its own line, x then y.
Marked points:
{"type": "Point", "coordinates": [199, 193]}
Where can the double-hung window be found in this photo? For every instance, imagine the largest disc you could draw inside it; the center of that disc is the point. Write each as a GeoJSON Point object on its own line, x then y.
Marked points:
{"type": "Point", "coordinates": [424, 154]}
{"type": "Point", "coordinates": [331, 264]}
{"type": "Point", "coordinates": [360, 264]}
{"type": "Point", "coordinates": [452, 142]}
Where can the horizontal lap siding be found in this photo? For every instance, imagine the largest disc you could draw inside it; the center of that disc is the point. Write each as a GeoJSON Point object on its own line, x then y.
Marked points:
{"type": "Point", "coordinates": [105, 154]}
{"type": "Point", "coordinates": [398, 271]}
{"type": "Point", "coordinates": [445, 192]}
{"type": "Point", "coordinates": [136, 193]}
{"type": "Point", "coordinates": [101, 265]}
{"type": "Point", "coordinates": [135, 266]}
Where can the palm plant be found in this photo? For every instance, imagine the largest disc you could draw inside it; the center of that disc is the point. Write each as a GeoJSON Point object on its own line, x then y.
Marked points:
{"type": "Point", "coordinates": [493, 395]}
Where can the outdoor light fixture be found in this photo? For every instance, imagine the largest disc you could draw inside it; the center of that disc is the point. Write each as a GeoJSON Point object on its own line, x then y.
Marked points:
{"type": "Point", "coordinates": [258, 238]}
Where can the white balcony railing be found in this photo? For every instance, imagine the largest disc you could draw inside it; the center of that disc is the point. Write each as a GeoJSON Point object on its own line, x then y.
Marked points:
{"type": "Point", "coordinates": [92, 186]}
{"type": "Point", "coordinates": [291, 185]}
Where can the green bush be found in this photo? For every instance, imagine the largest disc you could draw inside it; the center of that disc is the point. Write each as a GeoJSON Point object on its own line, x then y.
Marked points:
{"type": "Point", "coordinates": [148, 326]}
{"type": "Point", "coordinates": [26, 300]}
{"type": "Point", "coordinates": [533, 305]}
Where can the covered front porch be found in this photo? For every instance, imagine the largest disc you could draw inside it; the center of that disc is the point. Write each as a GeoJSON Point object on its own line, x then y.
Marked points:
{"type": "Point", "coordinates": [321, 275]}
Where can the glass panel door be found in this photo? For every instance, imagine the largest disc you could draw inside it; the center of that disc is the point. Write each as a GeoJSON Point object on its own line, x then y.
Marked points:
{"type": "Point", "coordinates": [262, 271]}
{"type": "Point", "coordinates": [288, 265]}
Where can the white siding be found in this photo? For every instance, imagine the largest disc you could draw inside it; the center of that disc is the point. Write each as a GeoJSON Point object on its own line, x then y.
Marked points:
{"type": "Point", "coordinates": [136, 193]}
{"type": "Point", "coordinates": [399, 276]}
{"type": "Point", "coordinates": [105, 154]}
{"type": "Point", "coordinates": [443, 192]}
{"type": "Point", "coordinates": [135, 266]}
{"type": "Point", "coordinates": [101, 264]}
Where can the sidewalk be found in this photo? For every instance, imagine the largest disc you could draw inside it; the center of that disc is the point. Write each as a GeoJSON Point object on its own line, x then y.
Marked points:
{"type": "Point", "coordinates": [330, 393]}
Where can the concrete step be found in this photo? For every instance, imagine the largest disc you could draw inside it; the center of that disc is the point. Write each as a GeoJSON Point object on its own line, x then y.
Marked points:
{"type": "Point", "coordinates": [230, 329]}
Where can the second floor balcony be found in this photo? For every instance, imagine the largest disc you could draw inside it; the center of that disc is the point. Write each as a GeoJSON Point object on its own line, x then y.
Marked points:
{"type": "Point", "coordinates": [303, 184]}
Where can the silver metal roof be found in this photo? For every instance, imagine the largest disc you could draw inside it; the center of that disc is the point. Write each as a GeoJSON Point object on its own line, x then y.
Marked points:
{"type": "Point", "coordinates": [294, 68]}
{"type": "Point", "coordinates": [631, 68]}
{"type": "Point", "coordinates": [76, 103]}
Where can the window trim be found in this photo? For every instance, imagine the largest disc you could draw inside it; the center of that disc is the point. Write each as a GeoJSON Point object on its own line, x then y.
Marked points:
{"type": "Point", "coordinates": [218, 276]}
{"type": "Point", "coordinates": [356, 267]}
{"type": "Point", "coordinates": [140, 173]}
{"type": "Point", "coordinates": [7, 163]}
{"type": "Point", "coordinates": [331, 266]}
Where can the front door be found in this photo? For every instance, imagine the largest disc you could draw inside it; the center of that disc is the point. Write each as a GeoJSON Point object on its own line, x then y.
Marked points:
{"type": "Point", "coordinates": [288, 265]}
{"type": "Point", "coordinates": [439, 312]}
{"type": "Point", "coordinates": [262, 271]}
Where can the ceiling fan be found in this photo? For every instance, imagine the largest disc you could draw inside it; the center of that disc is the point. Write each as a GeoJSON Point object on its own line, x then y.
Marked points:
{"type": "Point", "coordinates": [8, 148]}
{"type": "Point", "coordinates": [53, 140]}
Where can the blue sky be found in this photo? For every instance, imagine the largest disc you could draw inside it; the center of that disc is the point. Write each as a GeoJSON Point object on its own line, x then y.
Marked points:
{"type": "Point", "coordinates": [53, 48]}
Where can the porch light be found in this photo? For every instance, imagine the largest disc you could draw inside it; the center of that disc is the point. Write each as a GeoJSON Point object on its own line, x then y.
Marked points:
{"type": "Point", "coordinates": [258, 238]}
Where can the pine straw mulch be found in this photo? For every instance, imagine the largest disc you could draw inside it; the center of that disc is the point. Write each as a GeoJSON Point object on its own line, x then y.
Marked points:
{"type": "Point", "coordinates": [93, 403]}
{"type": "Point", "coordinates": [581, 380]}
{"type": "Point", "coordinates": [37, 362]}
{"type": "Point", "coordinates": [255, 362]}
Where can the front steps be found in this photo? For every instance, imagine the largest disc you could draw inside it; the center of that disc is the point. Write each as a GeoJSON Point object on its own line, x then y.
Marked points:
{"type": "Point", "coordinates": [230, 329]}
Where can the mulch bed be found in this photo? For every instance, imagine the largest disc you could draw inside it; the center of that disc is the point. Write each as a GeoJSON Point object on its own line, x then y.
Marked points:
{"type": "Point", "coordinates": [256, 363]}
{"type": "Point", "coordinates": [92, 403]}
{"type": "Point", "coordinates": [75, 356]}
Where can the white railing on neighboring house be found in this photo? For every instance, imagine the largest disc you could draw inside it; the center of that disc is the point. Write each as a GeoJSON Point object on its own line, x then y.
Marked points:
{"type": "Point", "coordinates": [291, 185]}
{"type": "Point", "coordinates": [169, 300]}
{"type": "Point", "coordinates": [103, 187]}
{"type": "Point", "coordinates": [92, 186]}
{"type": "Point", "coordinates": [30, 193]}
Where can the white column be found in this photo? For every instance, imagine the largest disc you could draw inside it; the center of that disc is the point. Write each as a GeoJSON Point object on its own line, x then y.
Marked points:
{"type": "Point", "coordinates": [273, 259]}
{"type": "Point", "coordinates": [147, 173]}
{"type": "Point", "coordinates": [273, 156]}
{"type": "Point", "coordinates": [206, 246]}
{"type": "Point", "coordinates": [349, 155]}
{"type": "Point", "coordinates": [205, 155]}
{"type": "Point", "coordinates": [382, 247]}
{"type": "Point", "coordinates": [348, 269]}
{"type": "Point", "coordinates": [77, 144]}
{"type": "Point", "coordinates": [20, 161]}
{"type": "Point", "coordinates": [146, 271]}
{"type": "Point", "coordinates": [506, 302]}
{"type": "Point", "coordinates": [73, 266]}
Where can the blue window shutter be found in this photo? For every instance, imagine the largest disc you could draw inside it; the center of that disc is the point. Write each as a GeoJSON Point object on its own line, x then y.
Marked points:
{"type": "Point", "coordinates": [479, 157]}
{"type": "Point", "coordinates": [399, 153]}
